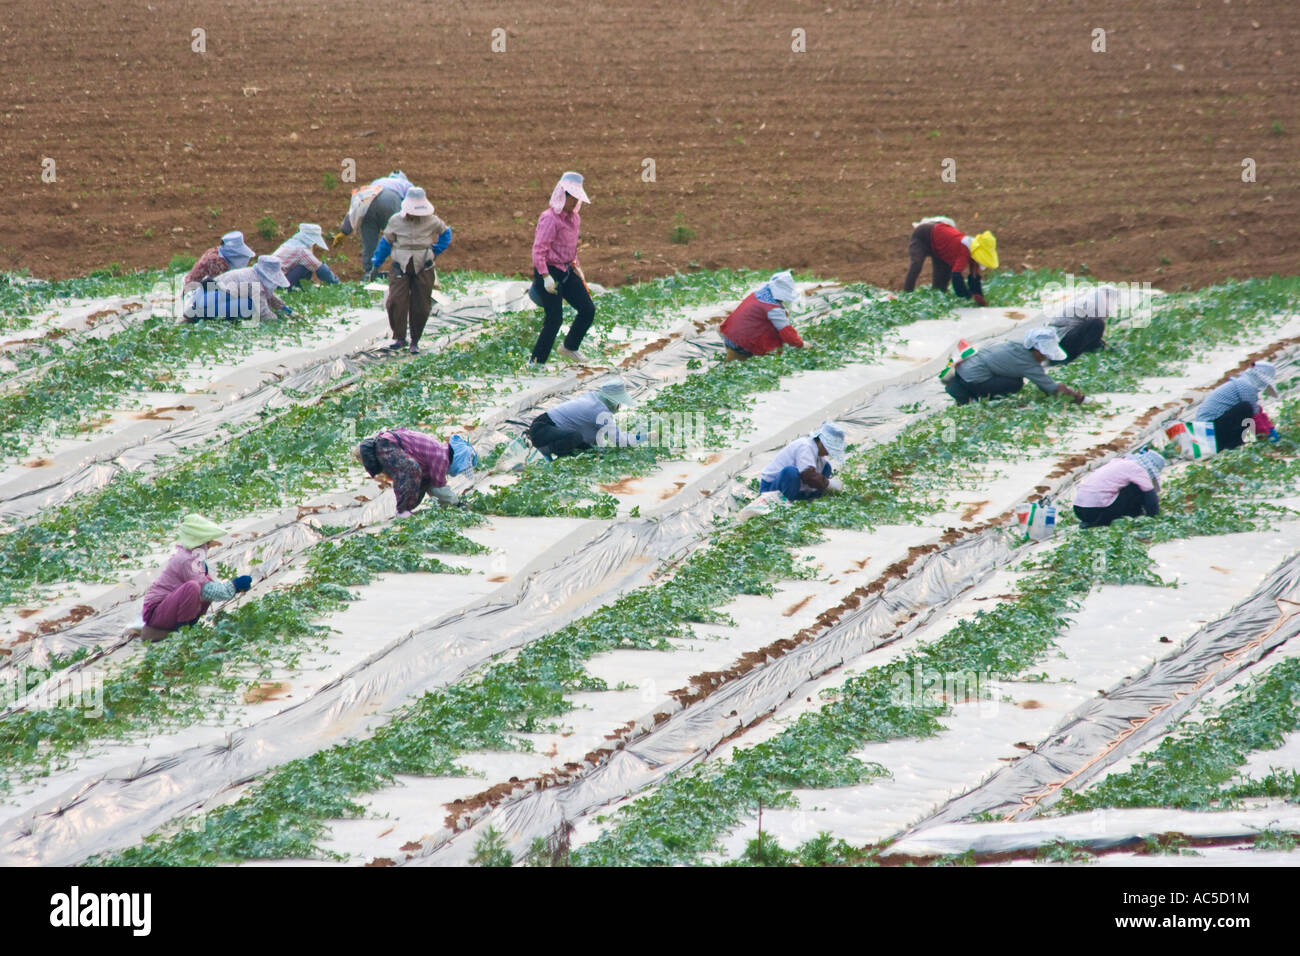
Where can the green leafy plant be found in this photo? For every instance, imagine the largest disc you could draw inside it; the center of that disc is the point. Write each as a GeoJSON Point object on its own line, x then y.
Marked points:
{"type": "Point", "coordinates": [267, 228]}
{"type": "Point", "coordinates": [490, 850]}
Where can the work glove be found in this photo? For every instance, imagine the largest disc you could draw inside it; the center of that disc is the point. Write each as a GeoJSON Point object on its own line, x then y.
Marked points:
{"type": "Point", "coordinates": [287, 312]}
{"type": "Point", "coordinates": [243, 582]}
{"type": "Point", "coordinates": [336, 240]}
{"type": "Point", "coordinates": [445, 496]}
{"type": "Point", "coordinates": [403, 514]}
{"type": "Point", "coordinates": [835, 484]}
{"type": "Point", "coordinates": [979, 299]}
{"type": "Point", "coordinates": [548, 283]}
{"type": "Point", "coordinates": [1273, 435]}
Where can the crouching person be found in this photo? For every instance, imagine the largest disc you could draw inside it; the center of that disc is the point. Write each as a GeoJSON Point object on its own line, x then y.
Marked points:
{"type": "Point", "coordinates": [583, 422]}
{"type": "Point", "coordinates": [1125, 487]}
{"type": "Point", "coordinates": [185, 589]}
{"type": "Point", "coordinates": [1234, 407]}
{"type": "Point", "coordinates": [1002, 369]}
{"type": "Point", "coordinates": [418, 465]}
{"type": "Point", "coordinates": [802, 469]}
{"type": "Point", "coordinates": [760, 323]}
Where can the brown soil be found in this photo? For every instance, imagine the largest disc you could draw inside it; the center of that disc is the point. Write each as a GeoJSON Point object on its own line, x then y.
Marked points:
{"type": "Point", "coordinates": [624, 486]}
{"type": "Point", "coordinates": [156, 414]}
{"type": "Point", "coordinates": [796, 607]}
{"type": "Point", "coordinates": [38, 463]}
{"type": "Point", "coordinates": [265, 690]}
{"type": "Point", "coordinates": [1128, 161]}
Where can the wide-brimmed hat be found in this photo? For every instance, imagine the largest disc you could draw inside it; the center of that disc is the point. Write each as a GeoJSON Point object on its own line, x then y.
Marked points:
{"type": "Point", "coordinates": [616, 392]}
{"type": "Point", "coordinates": [309, 234]}
{"type": "Point", "coordinates": [416, 202]}
{"type": "Point", "coordinates": [831, 436]}
{"type": "Point", "coordinates": [197, 530]}
{"type": "Point", "coordinates": [1263, 375]}
{"type": "Point", "coordinates": [270, 269]}
{"type": "Point", "coordinates": [234, 247]}
{"type": "Point", "coordinates": [1046, 340]}
{"type": "Point", "coordinates": [984, 250]}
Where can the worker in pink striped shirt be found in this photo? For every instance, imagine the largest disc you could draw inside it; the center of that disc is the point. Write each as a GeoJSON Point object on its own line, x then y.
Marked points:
{"type": "Point", "coordinates": [557, 276]}
{"type": "Point", "coordinates": [297, 259]}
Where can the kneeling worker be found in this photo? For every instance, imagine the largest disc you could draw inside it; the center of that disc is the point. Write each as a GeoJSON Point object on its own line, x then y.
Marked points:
{"type": "Point", "coordinates": [802, 469]}
{"type": "Point", "coordinates": [184, 591]}
{"type": "Point", "coordinates": [1124, 487]}
{"type": "Point", "coordinates": [583, 422]}
{"type": "Point", "coordinates": [1001, 369]}
{"type": "Point", "coordinates": [1234, 407]}
{"type": "Point", "coordinates": [418, 465]}
{"type": "Point", "coordinates": [760, 324]}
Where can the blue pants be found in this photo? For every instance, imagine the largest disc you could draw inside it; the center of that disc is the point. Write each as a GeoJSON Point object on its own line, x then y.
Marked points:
{"type": "Point", "coordinates": [790, 484]}
{"type": "Point", "coordinates": [298, 272]}
{"type": "Point", "coordinates": [217, 304]}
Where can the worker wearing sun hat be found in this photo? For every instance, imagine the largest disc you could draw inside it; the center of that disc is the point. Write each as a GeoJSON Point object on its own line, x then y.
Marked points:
{"type": "Point", "coordinates": [242, 293]}
{"type": "Point", "coordinates": [557, 275]}
{"type": "Point", "coordinates": [184, 590]}
{"type": "Point", "coordinates": [231, 253]}
{"type": "Point", "coordinates": [1001, 369]}
{"type": "Point", "coordinates": [951, 252]}
{"type": "Point", "coordinates": [297, 259]}
{"type": "Point", "coordinates": [1125, 487]}
{"type": "Point", "coordinates": [369, 210]}
{"type": "Point", "coordinates": [802, 469]}
{"type": "Point", "coordinates": [418, 465]}
{"type": "Point", "coordinates": [1235, 410]}
{"type": "Point", "coordinates": [414, 238]}
{"type": "Point", "coordinates": [760, 323]}
{"type": "Point", "coordinates": [584, 422]}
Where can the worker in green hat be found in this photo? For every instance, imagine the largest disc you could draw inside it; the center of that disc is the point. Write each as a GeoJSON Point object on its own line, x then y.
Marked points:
{"type": "Point", "coordinates": [185, 589]}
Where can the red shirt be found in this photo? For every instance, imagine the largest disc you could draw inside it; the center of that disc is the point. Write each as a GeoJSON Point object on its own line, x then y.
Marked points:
{"type": "Point", "coordinates": [751, 329]}
{"type": "Point", "coordinates": [946, 243]}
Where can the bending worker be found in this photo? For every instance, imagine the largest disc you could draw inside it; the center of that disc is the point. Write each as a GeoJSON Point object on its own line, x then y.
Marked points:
{"type": "Point", "coordinates": [185, 590]}
{"type": "Point", "coordinates": [1081, 322]}
{"type": "Point", "coordinates": [418, 465]}
{"type": "Point", "coordinates": [241, 294]}
{"type": "Point", "coordinates": [557, 276]}
{"type": "Point", "coordinates": [414, 237]}
{"type": "Point", "coordinates": [583, 422]}
{"type": "Point", "coordinates": [1234, 407]}
{"type": "Point", "coordinates": [232, 253]}
{"type": "Point", "coordinates": [760, 324]}
{"type": "Point", "coordinates": [297, 259]}
{"type": "Point", "coordinates": [1001, 369]}
{"type": "Point", "coordinates": [1125, 487]}
{"type": "Point", "coordinates": [950, 251]}
{"type": "Point", "coordinates": [802, 469]}
{"type": "Point", "coordinates": [369, 211]}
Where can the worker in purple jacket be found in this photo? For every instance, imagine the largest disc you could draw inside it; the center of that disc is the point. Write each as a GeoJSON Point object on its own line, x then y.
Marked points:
{"type": "Point", "coordinates": [185, 589]}
{"type": "Point", "coordinates": [1126, 487]}
{"type": "Point", "coordinates": [418, 465]}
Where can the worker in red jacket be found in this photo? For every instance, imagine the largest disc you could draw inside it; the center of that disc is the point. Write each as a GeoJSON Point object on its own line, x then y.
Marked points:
{"type": "Point", "coordinates": [951, 252]}
{"type": "Point", "coordinates": [760, 324]}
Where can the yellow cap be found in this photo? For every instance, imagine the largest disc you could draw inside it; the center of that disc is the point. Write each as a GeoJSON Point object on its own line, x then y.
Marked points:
{"type": "Point", "coordinates": [984, 250]}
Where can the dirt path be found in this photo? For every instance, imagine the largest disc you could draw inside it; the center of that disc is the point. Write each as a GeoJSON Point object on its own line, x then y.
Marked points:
{"type": "Point", "coordinates": [1128, 161]}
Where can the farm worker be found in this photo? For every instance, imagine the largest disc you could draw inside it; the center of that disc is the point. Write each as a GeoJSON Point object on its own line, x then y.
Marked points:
{"type": "Point", "coordinates": [418, 465]}
{"type": "Point", "coordinates": [583, 422]}
{"type": "Point", "coordinates": [557, 276]}
{"type": "Point", "coordinates": [1234, 407]}
{"type": "Point", "coordinates": [242, 293]}
{"type": "Point", "coordinates": [231, 253]}
{"type": "Point", "coordinates": [802, 469]}
{"type": "Point", "coordinates": [414, 237]}
{"type": "Point", "coordinates": [760, 324]}
{"type": "Point", "coordinates": [1124, 487]}
{"type": "Point", "coordinates": [185, 589]}
{"type": "Point", "coordinates": [1002, 369]}
{"type": "Point", "coordinates": [370, 209]}
{"type": "Point", "coordinates": [950, 251]}
{"type": "Point", "coordinates": [1081, 322]}
{"type": "Point", "coordinates": [297, 260]}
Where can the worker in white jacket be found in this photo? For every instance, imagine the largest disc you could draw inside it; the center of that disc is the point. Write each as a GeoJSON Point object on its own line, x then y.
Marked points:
{"type": "Point", "coordinates": [802, 469]}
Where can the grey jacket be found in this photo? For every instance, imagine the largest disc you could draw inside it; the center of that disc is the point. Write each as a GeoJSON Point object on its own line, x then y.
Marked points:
{"type": "Point", "coordinates": [1010, 359]}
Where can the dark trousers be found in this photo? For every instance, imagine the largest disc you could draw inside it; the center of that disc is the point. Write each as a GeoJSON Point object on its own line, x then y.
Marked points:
{"type": "Point", "coordinates": [410, 299]}
{"type": "Point", "coordinates": [1229, 426]}
{"type": "Point", "coordinates": [1127, 504]}
{"type": "Point", "coordinates": [1081, 335]}
{"type": "Point", "coordinates": [550, 439]}
{"type": "Point", "coordinates": [568, 288]}
{"type": "Point", "coordinates": [919, 249]}
{"type": "Point", "coordinates": [790, 484]}
{"type": "Point", "coordinates": [963, 391]}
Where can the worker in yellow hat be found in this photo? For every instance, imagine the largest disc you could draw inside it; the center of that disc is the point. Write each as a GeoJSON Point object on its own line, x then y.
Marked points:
{"type": "Point", "coordinates": [951, 252]}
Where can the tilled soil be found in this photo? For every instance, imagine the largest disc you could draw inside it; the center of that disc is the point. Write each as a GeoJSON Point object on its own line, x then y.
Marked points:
{"type": "Point", "coordinates": [1127, 163]}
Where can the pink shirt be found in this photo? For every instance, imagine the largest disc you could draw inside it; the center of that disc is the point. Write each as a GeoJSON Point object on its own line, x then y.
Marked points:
{"type": "Point", "coordinates": [556, 240]}
{"type": "Point", "coordinates": [1099, 488]}
{"type": "Point", "coordinates": [184, 566]}
{"type": "Point", "coordinates": [433, 455]}
{"type": "Point", "coordinates": [293, 253]}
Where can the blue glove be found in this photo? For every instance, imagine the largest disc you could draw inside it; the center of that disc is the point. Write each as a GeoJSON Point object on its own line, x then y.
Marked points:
{"type": "Point", "coordinates": [1273, 435]}
{"type": "Point", "coordinates": [381, 253]}
{"type": "Point", "coordinates": [243, 582]}
{"type": "Point", "coordinates": [286, 311]}
{"type": "Point", "coordinates": [443, 242]}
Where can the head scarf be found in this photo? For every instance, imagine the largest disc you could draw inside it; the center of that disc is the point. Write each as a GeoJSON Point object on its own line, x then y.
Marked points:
{"type": "Point", "coordinates": [569, 184]}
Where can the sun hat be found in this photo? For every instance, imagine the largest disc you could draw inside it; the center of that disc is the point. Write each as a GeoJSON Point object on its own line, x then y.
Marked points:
{"type": "Point", "coordinates": [782, 287]}
{"type": "Point", "coordinates": [463, 456]}
{"type": "Point", "coordinates": [235, 250]}
{"type": "Point", "coordinates": [1152, 461]}
{"type": "Point", "coordinates": [1046, 340]}
{"type": "Point", "coordinates": [1262, 375]}
{"type": "Point", "coordinates": [832, 436]}
{"type": "Point", "coordinates": [270, 270]}
{"type": "Point", "coordinates": [416, 202]}
{"type": "Point", "coordinates": [570, 183]}
{"type": "Point", "coordinates": [616, 392]}
{"type": "Point", "coordinates": [984, 250]}
{"type": "Point", "coordinates": [197, 530]}
{"type": "Point", "coordinates": [309, 234]}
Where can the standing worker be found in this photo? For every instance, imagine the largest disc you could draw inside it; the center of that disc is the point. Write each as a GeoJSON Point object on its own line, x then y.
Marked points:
{"type": "Point", "coordinates": [1001, 369]}
{"type": "Point", "coordinates": [297, 259]}
{"type": "Point", "coordinates": [418, 465]}
{"type": "Point", "coordinates": [760, 324]}
{"type": "Point", "coordinates": [232, 253]}
{"type": "Point", "coordinates": [583, 422]}
{"type": "Point", "coordinates": [1234, 407]}
{"type": "Point", "coordinates": [414, 238]}
{"type": "Point", "coordinates": [557, 276]}
{"type": "Point", "coordinates": [950, 251]}
{"type": "Point", "coordinates": [185, 590]}
{"type": "Point", "coordinates": [802, 469]}
{"type": "Point", "coordinates": [1124, 487]}
{"type": "Point", "coordinates": [369, 211]}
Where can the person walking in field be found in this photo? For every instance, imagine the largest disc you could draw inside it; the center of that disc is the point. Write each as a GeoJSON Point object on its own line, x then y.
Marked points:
{"type": "Point", "coordinates": [557, 276]}
{"type": "Point", "coordinates": [950, 252]}
{"type": "Point", "coordinates": [231, 253]}
{"type": "Point", "coordinates": [802, 469]}
{"type": "Point", "coordinates": [418, 465]}
{"type": "Point", "coordinates": [1125, 487]}
{"type": "Point", "coordinates": [242, 294]}
{"type": "Point", "coordinates": [760, 323]}
{"type": "Point", "coordinates": [185, 590]}
{"type": "Point", "coordinates": [1234, 407]}
{"type": "Point", "coordinates": [297, 259]}
{"type": "Point", "coordinates": [1001, 369]}
{"type": "Point", "coordinates": [583, 422]}
{"type": "Point", "coordinates": [371, 207]}
{"type": "Point", "coordinates": [414, 237]}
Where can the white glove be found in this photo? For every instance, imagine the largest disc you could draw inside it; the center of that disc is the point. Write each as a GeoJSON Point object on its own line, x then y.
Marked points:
{"type": "Point", "coordinates": [548, 283]}
{"type": "Point", "coordinates": [445, 496]}
{"type": "Point", "coordinates": [835, 484]}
